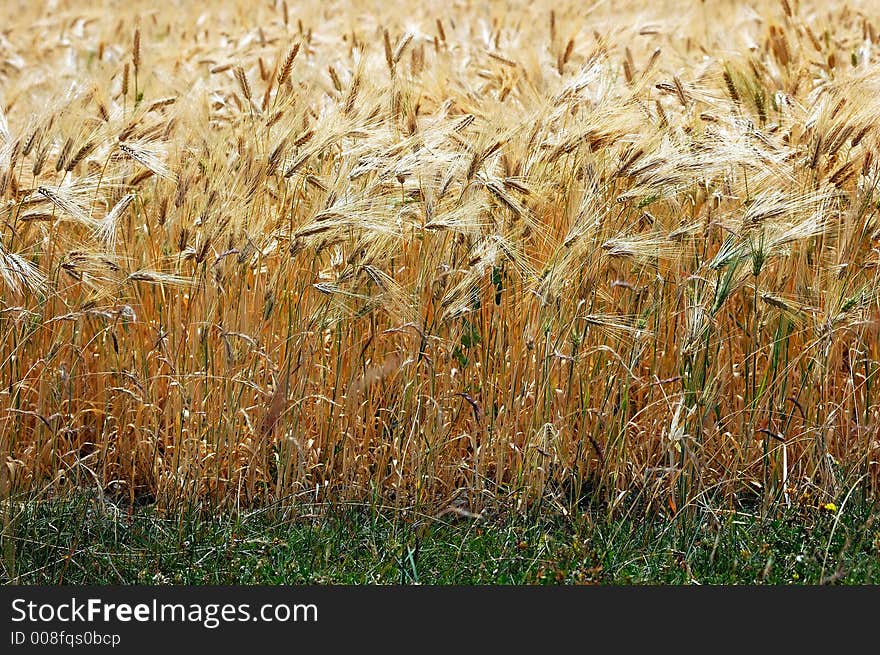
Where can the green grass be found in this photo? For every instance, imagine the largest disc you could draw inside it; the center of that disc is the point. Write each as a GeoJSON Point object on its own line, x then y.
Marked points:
{"type": "Point", "coordinates": [81, 540]}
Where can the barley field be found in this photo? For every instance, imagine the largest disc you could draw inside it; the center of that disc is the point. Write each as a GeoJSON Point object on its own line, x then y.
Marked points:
{"type": "Point", "coordinates": [463, 253]}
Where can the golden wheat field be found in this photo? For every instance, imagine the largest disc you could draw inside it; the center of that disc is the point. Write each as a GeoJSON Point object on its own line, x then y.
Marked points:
{"type": "Point", "coordinates": [468, 252]}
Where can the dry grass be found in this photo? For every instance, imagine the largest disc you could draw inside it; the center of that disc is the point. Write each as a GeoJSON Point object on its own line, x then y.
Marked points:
{"type": "Point", "coordinates": [450, 252]}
